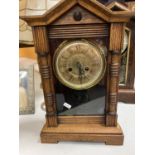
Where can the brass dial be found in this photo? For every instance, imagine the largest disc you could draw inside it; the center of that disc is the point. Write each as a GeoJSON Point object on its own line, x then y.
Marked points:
{"type": "Point", "coordinates": [79, 64]}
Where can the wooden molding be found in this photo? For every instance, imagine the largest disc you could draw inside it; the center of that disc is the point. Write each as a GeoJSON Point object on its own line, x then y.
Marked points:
{"type": "Point", "coordinates": [93, 6]}
{"type": "Point", "coordinates": [111, 119]}
{"type": "Point", "coordinates": [44, 61]}
{"type": "Point", "coordinates": [78, 31]}
{"type": "Point", "coordinates": [118, 5]}
{"type": "Point", "coordinates": [114, 55]}
{"type": "Point", "coordinates": [81, 120]}
{"type": "Point", "coordinates": [82, 132]}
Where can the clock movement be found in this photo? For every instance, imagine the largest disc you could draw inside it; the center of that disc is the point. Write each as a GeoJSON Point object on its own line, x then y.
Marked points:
{"type": "Point", "coordinates": [79, 45]}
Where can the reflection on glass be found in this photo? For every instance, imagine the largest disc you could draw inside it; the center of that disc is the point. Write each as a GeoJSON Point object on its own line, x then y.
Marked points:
{"type": "Point", "coordinates": [83, 102]}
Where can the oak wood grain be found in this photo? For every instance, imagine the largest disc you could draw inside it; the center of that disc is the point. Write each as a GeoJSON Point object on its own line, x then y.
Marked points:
{"type": "Point", "coordinates": [78, 31]}
{"type": "Point", "coordinates": [81, 119]}
{"type": "Point", "coordinates": [93, 6]}
{"type": "Point", "coordinates": [83, 132]}
{"type": "Point", "coordinates": [115, 45]}
{"type": "Point", "coordinates": [69, 17]}
{"type": "Point", "coordinates": [44, 61]}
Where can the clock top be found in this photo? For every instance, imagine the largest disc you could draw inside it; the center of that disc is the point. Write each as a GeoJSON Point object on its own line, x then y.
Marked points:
{"type": "Point", "coordinates": [112, 12]}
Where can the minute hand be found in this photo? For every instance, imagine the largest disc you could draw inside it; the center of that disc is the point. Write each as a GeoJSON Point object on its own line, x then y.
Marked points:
{"type": "Point", "coordinates": [81, 71]}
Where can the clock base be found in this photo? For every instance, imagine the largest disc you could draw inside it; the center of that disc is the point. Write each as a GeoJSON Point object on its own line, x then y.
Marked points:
{"type": "Point", "coordinates": [82, 132]}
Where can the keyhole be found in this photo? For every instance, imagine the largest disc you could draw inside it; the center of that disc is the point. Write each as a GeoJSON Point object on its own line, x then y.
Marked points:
{"type": "Point", "coordinates": [86, 68]}
{"type": "Point", "coordinates": [69, 69]}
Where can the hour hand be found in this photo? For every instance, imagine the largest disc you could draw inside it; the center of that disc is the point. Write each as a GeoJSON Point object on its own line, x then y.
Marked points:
{"type": "Point", "coordinates": [81, 71]}
{"type": "Point", "coordinates": [80, 68]}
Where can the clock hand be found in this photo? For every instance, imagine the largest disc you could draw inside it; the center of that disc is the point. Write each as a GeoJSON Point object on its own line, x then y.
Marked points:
{"type": "Point", "coordinates": [81, 71]}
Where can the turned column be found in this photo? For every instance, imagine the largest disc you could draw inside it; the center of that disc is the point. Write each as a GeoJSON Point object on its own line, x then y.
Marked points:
{"type": "Point", "coordinates": [114, 55]}
{"type": "Point", "coordinates": [44, 61]}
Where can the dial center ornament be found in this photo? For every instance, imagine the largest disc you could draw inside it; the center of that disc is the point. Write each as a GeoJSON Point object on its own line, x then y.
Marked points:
{"type": "Point", "coordinates": [79, 64]}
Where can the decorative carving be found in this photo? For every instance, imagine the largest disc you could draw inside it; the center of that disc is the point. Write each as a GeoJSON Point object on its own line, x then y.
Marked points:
{"type": "Point", "coordinates": [115, 52]}
{"type": "Point", "coordinates": [45, 72]}
{"type": "Point", "coordinates": [42, 54]}
{"type": "Point", "coordinates": [113, 98]}
{"type": "Point", "coordinates": [44, 61]}
{"type": "Point", "coordinates": [116, 6]}
{"type": "Point", "coordinates": [114, 69]}
{"type": "Point", "coordinates": [51, 113]}
{"type": "Point", "coordinates": [78, 31]}
{"type": "Point", "coordinates": [50, 98]}
{"type": "Point", "coordinates": [116, 32]}
{"type": "Point", "coordinates": [93, 6]}
{"type": "Point", "coordinates": [78, 15]}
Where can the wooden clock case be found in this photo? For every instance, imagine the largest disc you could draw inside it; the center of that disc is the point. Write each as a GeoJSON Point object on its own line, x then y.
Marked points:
{"type": "Point", "coordinates": [74, 19]}
{"type": "Point", "coordinates": [126, 91]}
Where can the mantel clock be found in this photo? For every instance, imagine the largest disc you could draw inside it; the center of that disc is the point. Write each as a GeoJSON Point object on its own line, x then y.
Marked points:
{"type": "Point", "coordinates": [79, 44]}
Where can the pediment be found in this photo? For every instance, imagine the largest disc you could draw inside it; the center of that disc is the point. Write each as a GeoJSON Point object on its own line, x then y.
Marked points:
{"type": "Point", "coordinates": [105, 13]}
{"type": "Point", "coordinates": [78, 15]}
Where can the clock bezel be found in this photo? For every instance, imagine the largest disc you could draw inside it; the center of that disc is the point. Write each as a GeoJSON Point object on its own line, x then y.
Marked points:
{"type": "Point", "coordinates": [101, 51]}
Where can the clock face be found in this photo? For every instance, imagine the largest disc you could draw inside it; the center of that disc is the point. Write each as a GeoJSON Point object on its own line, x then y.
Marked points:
{"type": "Point", "coordinates": [79, 64]}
